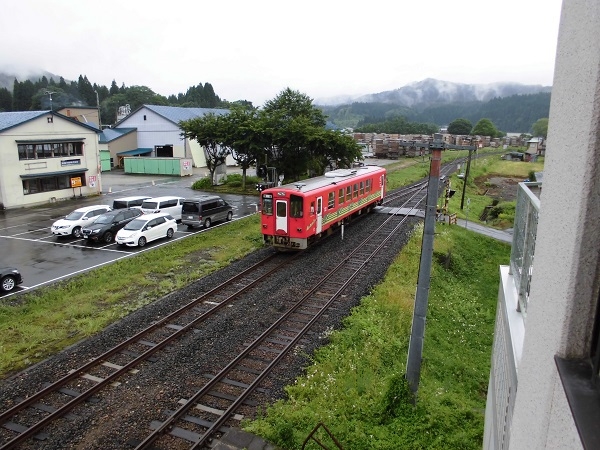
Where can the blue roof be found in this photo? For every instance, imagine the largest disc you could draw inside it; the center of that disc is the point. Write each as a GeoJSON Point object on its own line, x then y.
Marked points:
{"type": "Point", "coordinates": [110, 134]}
{"type": "Point", "coordinates": [14, 118]}
{"type": "Point", "coordinates": [137, 151]}
{"type": "Point", "coordinates": [177, 113]}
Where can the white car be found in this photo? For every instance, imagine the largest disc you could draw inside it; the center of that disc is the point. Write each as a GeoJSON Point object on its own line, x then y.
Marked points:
{"type": "Point", "coordinates": [147, 228]}
{"type": "Point", "coordinates": [72, 224]}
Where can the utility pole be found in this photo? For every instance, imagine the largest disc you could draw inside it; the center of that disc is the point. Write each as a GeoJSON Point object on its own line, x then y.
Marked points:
{"type": "Point", "coordinates": [415, 346]}
{"type": "Point", "coordinates": [462, 200]}
{"type": "Point", "coordinates": [50, 94]}
{"type": "Point", "coordinates": [417, 335]}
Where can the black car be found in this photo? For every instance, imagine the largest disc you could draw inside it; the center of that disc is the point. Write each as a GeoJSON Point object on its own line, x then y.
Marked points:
{"type": "Point", "coordinates": [9, 278]}
{"type": "Point", "coordinates": [105, 227]}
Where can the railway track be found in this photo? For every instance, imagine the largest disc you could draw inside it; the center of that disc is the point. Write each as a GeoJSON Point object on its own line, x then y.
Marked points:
{"type": "Point", "coordinates": [58, 398]}
{"type": "Point", "coordinates": [228, 389]}
{"type": "Point", "coordinates": [214, 408]}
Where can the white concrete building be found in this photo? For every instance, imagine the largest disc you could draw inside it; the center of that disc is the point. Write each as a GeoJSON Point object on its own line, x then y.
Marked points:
{"type": "Point", "coordinates": [544, 390]}
{"type": "Point", "coordinates": [46, 156]}
{"type": "Point", "coordinates": [159, 135]}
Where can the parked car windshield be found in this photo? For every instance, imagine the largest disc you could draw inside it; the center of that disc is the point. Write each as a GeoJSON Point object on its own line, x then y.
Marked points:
{"type": "Point", "coordinates": [75, 215]}
{"type": "Point", "coordinates": [135, 224]}
{"type": "Point", "coordinates": [104, 219]}
{"type": "Point", "coordinates": [149, 205]}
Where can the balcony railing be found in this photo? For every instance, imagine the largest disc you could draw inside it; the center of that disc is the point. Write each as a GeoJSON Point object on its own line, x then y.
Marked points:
{"type": "Point", "coordinates": [523, 245]}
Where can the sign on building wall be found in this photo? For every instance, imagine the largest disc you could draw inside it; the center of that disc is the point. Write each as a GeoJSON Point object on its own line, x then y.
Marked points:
{"type": "Point", "coordinates": [92, 181]}
{"type": "Point", "coordinates": [75, 182]}
{"type": "Point", "coordinates": [70, 162]}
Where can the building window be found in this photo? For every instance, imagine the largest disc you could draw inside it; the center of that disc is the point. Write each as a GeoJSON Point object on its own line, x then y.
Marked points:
{"type": "Point", "coordinates": [47, 184]}
{"type": "Point", "coordinates": [581, 382]}
{"type": "Point", "coordinates": [50, 150]}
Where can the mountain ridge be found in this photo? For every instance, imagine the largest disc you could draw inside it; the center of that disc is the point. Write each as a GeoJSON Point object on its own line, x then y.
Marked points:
{"type": "Point", "coordinates": [430, 91]}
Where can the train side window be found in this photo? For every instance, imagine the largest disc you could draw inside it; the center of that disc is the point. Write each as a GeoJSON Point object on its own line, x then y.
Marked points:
{"type": "Point", "coordinates": [331, 200]}
{"type": "Point", "coordinates": [341, 196]}
{"type": "Point", "coordinates": [368, 185]}
{"type": "Point", "coordinates": [355, 191]}
{"type": "Point", "coordinates": [362, 188]}
{"type": "Point", "coordinates": [296, 206]}
{"type": "Point", "coordinates": [267, 204]}
{"type": "Point", "coordinates": [349, 194]}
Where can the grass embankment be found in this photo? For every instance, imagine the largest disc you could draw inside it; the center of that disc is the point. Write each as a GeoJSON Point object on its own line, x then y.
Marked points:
{"type": "Point", "coordinates": [356, 385]}
{"type": "Point", "coordinates": [478, 187]}
{"type": "Point", "coordinates": [37, 324]}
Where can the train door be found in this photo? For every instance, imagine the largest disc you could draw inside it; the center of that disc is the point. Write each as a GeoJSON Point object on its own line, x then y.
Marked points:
{"type": "Point", "coordinates": [281, 219]}
{"type": "Point", "coordinates": [382, 181]}
{"type": "Point", "coordinates": [319, 214]}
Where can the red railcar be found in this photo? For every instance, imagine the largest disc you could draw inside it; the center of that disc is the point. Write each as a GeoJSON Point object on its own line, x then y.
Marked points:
{"type": "Point", "coordinates": [294, 215]}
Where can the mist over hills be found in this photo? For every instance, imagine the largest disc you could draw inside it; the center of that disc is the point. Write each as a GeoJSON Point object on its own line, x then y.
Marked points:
{"type": "Point", "coordinates": [421, 94]}
{"type": "Point", "coordinates": [513, 107]}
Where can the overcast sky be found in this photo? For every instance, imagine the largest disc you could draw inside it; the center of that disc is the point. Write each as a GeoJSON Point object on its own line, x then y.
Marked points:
{"type": "Point", "coordinates": [253, 50]}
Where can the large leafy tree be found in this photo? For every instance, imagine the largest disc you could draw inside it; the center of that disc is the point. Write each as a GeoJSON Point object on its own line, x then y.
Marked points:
{"type": "Point", "coordinates": [290, 121]}
{"type": "Point", "coordinates": [540, 128]}
{"type": "Point", "coordinates": [5, 100]}
{"type": "Point", "coordinates": [210, 131]}
{"type": "Point", "coordinates": [244, 137]}
{"type": "Point", "coordinates": [460, 126]}
{"type": "Point", "coordinates": [485, 127]}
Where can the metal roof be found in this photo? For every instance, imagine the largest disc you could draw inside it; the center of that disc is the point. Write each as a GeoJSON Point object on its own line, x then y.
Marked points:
{"type": "Point", "coordinates": [53, 174]}
{"type": "Point", "coordinates": [14, 118]}
{"type": "Point", "coordinates": [110, 134]}
{"type": "Point", "coordinates": [177, 113]}
{"type": "Point", "coordinates": [137, 151]}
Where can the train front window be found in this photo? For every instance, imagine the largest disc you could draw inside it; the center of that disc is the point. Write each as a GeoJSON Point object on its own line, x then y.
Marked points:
{"type": "Point", "coordinates": [296, 206]}
{"type": "Point", "coordinates": [281, 209]}
{"type": "Point", "coordinates": [267, 204]}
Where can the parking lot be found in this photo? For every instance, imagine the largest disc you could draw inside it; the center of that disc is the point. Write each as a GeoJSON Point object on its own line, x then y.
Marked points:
{"type": "Point", "coordinates": [27, 243]}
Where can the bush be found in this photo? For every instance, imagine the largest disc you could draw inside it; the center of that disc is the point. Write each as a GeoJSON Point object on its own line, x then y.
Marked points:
{"type": "Point", "coordinates": [202, 184]}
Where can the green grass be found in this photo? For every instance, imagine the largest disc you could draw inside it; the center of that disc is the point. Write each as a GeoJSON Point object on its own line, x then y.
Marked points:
{"type": "Point", "coordinates": [356, 385]}
{"type": "Point", "coordinates": [37, 324]}
{"type": "Point", "coordinates": [480, 170]}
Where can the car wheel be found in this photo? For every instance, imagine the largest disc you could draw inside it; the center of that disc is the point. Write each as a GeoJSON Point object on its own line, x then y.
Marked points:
{"type": "Point", "coordinates": [108, 237]}
{"type": "Point", "coordinates": [141, 241]}
{"type": "Point", "coordinates": [8, 283]}
{"type": "Point", "coordinates": [170, 233]}
{"type": "Point", "coordinates": [207, 223]}
{"type": "Point", "coordinates": [229, 215]}
{"type": "Point", "coordinates": [76, 232]}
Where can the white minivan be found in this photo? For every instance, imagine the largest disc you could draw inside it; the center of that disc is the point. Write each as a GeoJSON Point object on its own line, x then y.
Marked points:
{"type": "Point", "coordinates": [169, 205]}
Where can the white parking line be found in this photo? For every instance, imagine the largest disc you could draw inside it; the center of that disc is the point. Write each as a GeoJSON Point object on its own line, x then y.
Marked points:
{"type": "Point", "coordinates": [66, 244]}
{"type": "Point", "coordinates": [31, 231]}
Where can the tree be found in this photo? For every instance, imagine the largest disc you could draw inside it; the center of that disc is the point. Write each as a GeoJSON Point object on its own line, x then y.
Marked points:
{"type": "Point", "coordinates": [540, 128]}
{"type": "Point", "coordinates": [210, 131]}
{"type": "Point", "coordinates": [5, 100]}
{"type": "Point", "coordinates": [244, 137]}
{"type": "Point", "coordinates": [460, 126]}
{"type": "Point", "coordinates": [289, 120]}
{"type": "Point", "coordinates": [484, 127]}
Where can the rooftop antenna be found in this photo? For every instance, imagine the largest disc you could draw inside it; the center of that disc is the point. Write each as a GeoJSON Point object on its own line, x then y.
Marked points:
{"type": "Point", "coordinates": [50, 94]}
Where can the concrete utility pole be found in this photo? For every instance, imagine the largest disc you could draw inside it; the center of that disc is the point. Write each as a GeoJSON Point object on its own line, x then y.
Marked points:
{"type": "Point", "coordinates": [462, 200]}
{"type": "Point", "coordinates": [417, 335]}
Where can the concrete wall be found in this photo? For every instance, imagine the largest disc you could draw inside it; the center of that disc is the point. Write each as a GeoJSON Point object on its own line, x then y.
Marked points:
{"type": "Point", "coordinates": [564, 285]}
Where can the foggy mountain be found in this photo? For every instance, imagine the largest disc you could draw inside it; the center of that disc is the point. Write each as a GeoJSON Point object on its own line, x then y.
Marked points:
{"type": "Point", "coordinates": [7, 78]}
{"type": "Point", "coordinates": [428, 92]}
